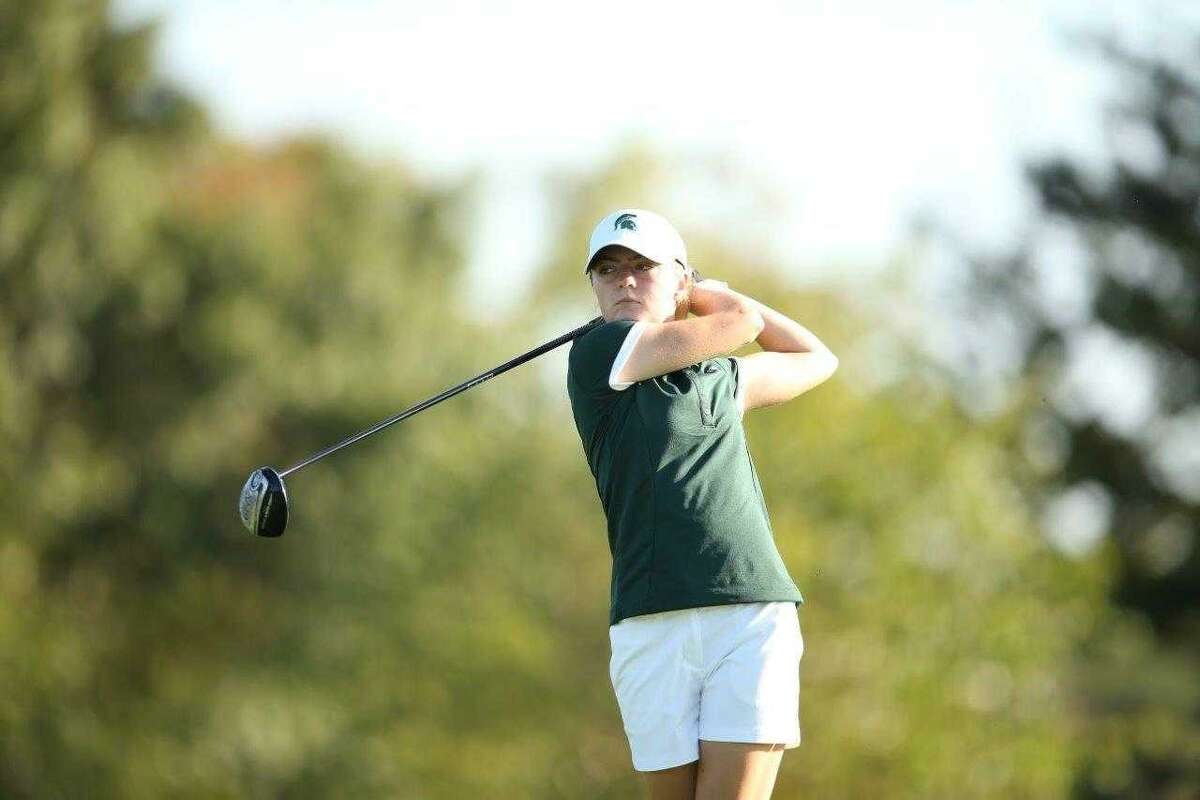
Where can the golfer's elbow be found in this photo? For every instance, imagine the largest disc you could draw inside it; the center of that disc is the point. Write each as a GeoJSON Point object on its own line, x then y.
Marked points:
{"type": "Point", "coordinates": [813, 368]}
{"type": "Point", "coordinates": [827, 364]}
{"type": "Point", "coordinates": [831, 360]}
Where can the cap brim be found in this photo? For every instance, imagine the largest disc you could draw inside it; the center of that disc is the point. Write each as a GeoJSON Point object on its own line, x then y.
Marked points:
{"type": "Point", "coordinates": [634, 242]}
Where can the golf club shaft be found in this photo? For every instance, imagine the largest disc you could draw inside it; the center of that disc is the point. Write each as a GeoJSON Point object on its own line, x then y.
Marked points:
{"type": "Point", "coordinates": [462, 387]}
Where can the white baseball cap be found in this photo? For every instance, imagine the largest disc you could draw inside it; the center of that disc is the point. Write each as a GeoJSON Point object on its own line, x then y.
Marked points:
{"type": "Point", "coordinates": [640, 230]}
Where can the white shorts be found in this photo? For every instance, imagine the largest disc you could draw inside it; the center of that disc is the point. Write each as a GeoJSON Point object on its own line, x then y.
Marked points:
{"type": "Point", "coordinates": [720, 673]}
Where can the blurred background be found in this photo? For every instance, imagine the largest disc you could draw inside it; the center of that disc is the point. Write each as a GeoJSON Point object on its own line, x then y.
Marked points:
{"type": "Point", "coordinates": [234, 233]}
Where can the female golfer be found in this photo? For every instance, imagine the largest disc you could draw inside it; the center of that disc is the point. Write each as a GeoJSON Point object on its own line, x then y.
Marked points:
{"type": "Point", "coordinates": [704, 629]}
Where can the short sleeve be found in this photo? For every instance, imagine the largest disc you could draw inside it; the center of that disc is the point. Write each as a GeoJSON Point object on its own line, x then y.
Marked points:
{"type": "Point", "coordinates": [736, 368]}
{"type": "Point", "coordinates": [598, 356]}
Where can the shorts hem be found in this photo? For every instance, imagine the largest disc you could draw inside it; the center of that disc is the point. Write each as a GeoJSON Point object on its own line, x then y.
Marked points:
{"type": "Point", "coordinates": [669, 763]}
{"type": "Point", "coordinates": [788, 740]}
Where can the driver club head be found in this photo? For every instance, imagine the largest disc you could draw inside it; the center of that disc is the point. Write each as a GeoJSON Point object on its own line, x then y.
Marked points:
{"type": "Point", "coordinates": [263, 503]}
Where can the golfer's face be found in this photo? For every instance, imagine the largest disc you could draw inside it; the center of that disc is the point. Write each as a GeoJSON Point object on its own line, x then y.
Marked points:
{"type": "Point", "coordinates": [631, 286]}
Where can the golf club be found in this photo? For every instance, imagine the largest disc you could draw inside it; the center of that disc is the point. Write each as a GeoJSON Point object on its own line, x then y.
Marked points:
{"type": "Point", "coordinates": [263, 504]}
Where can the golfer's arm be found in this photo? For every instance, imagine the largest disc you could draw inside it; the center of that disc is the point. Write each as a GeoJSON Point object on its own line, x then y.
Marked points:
{"type": "Point", "coordinates": [794, 360]}
{"type": "Point", "coordinates": [782, 334]}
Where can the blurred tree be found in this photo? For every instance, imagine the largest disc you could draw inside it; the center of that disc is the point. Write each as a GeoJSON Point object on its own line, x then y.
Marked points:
{"type": "Point", "coordinates": [177, 308]}
{"type": "Point", "coordinates": [170, 305]}
{"type": "Point", "coordinates": [1116, 429]}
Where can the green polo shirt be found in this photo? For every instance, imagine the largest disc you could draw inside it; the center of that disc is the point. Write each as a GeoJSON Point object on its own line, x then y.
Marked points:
{"type": "Point", "coordinates": [687, 522]}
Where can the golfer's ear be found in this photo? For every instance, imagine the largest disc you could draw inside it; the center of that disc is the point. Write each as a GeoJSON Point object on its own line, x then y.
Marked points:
{"type": "Point", "coordinates": [684, 292]}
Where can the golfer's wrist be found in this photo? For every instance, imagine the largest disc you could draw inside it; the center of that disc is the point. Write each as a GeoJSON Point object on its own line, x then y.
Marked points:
{"type": "Point", "coordinates": [707, 300]}
{"type": "Point", "coordinates": [736, 303]}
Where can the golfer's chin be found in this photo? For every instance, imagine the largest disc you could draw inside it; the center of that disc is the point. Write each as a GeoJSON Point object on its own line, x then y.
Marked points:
{"type": "Point", "coordinates": [634, 311]}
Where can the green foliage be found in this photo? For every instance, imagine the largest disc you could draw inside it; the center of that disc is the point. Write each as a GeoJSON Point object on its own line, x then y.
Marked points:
{"type": "Point", "coordinates": [1135, 224]}
{"type": "Point", "coordinates": [176, 309]}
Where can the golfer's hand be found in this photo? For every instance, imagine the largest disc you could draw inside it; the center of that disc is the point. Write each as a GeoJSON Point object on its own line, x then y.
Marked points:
{"type": "Point", "coordinates": [709, 296]}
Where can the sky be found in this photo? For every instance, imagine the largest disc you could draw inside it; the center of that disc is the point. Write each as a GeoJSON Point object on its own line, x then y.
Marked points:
{"type": "Point", "coordinates": [850, 116]}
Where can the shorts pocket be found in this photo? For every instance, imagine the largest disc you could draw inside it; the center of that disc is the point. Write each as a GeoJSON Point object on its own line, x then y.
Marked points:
{"type": "Point", "coordinates": [623, 643]}
{"type": "Point", "coordinates": [794, 625]}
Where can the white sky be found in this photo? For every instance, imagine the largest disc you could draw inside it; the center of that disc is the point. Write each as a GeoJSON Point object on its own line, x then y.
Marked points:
{"type": "Point", "coordinates": [853, 114]}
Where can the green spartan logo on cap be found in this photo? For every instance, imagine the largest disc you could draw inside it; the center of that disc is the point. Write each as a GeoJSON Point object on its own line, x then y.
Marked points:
{"type": "Point", "coordinates": [626, 221]}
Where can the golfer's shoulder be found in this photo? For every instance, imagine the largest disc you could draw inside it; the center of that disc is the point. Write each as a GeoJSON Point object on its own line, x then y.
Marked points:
{"type": "Point", "coordinates": [604, 339]}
